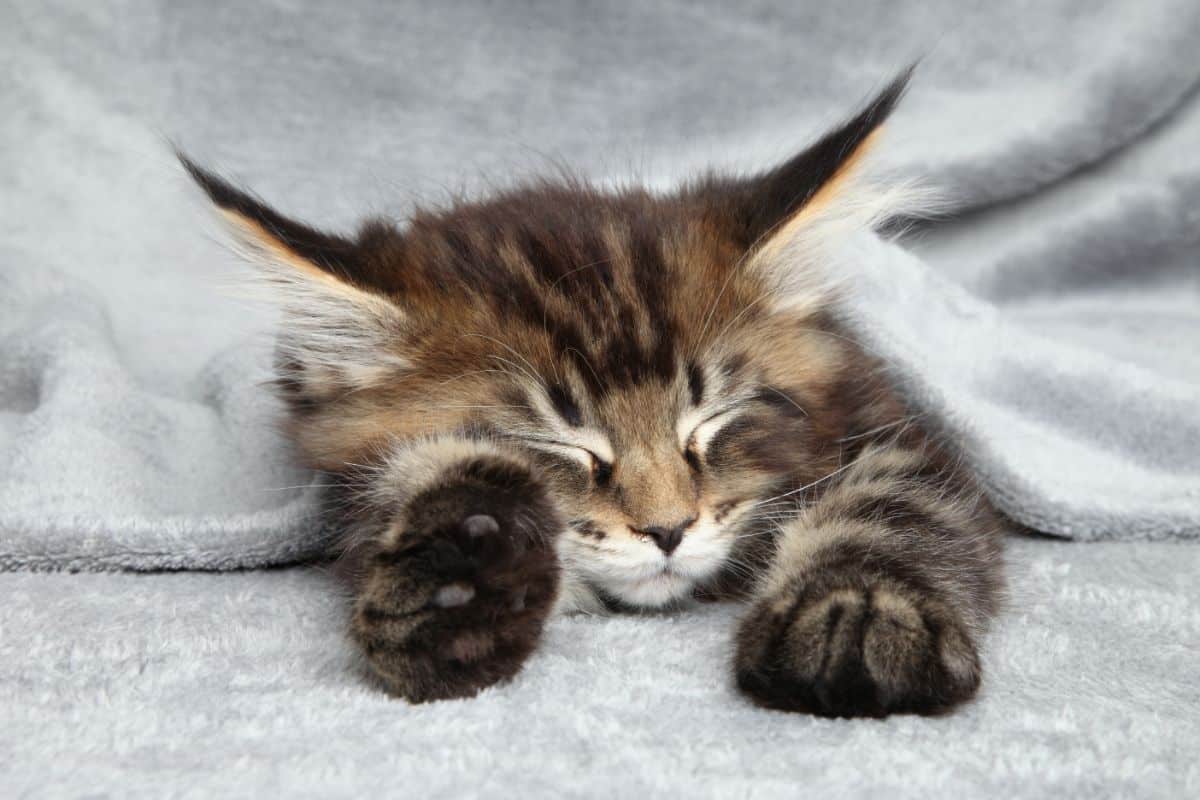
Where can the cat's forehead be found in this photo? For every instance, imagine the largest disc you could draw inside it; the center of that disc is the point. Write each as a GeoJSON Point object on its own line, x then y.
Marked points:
{"type": "Point", "coordinates": [598, 286]}
{"type": "Point", "coordinates": [561, 237]}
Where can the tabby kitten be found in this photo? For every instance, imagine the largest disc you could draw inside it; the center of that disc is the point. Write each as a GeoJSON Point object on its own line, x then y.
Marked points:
{"type": "Point", "coordinates": [571, 398]}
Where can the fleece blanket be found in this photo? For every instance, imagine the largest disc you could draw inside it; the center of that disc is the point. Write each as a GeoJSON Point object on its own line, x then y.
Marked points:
{"type": "Point", "coordinates": [242, 685]}
{"type": "Point", "coordinates": [1050, 326]}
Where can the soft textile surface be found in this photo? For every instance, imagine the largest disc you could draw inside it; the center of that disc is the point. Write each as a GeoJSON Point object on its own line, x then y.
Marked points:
{"type": "Point", "coordinates": [242, 685]}
{"type": "Point", "coordinates": [1053, 332]}
{"type": "Point", "coordinates": [1052, 329]}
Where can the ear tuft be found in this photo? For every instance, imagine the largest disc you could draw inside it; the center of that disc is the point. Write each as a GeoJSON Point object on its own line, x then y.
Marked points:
{"type": "Point", "coordinates": [792, 218]}
{"type": "Point", "coordinates": [268, 233]}
{"type": "Point", "coordinates": [817, 175]}
{"type": "Point", "coordinates": [335, 335]}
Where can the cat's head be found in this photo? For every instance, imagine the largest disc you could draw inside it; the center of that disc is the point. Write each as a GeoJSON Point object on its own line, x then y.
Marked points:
{"type": "Point", "coordinates": [666, 359]}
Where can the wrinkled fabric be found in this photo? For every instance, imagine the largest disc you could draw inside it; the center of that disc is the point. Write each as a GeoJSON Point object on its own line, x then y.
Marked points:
{"type": "Point", "coordinates": [245, 685]}
{"type": "Point", "coordinates": [1049, 327]}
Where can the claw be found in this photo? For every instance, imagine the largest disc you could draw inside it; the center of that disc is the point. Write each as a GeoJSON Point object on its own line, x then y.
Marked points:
{"type": "Point", "coordinates": [478, 525]}
{"type": "Point", "coordinates": [453, 595]}
{"type": "Point", "coordinates": [518, 599]}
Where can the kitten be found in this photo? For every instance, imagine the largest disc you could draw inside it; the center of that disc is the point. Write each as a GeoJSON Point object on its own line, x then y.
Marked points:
{"type": "Point", "coordinates": [566, 398]}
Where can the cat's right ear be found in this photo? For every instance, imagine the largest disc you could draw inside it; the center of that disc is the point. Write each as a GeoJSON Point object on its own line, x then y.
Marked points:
{"type": "Point", "coordinates": [337, 333]}
{"type": "Point", "coordinates": [270, 236]}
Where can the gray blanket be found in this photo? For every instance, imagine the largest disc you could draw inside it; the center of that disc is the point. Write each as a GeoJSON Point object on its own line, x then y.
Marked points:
{"type": "Point", "coordinates": [1052, 327]}
{"type": "Point", "coordinates": [243, 685]}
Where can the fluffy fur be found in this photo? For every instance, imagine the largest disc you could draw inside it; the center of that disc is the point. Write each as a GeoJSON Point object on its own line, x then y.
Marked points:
{"type": "Point", "coordinates": [625, 400]}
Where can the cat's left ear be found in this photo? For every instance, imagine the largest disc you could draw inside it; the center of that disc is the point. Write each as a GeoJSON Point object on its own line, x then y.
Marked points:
{"type": "Point", "coordinates": [801, 209]}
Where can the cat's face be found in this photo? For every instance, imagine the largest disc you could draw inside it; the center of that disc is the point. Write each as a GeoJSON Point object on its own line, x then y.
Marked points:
{"type": "Point", "coordinates": [660, 478]}
{"type": "Point", "coordinates": [664, 395]}
{"type": "Point", "coordinates": [665, 360]}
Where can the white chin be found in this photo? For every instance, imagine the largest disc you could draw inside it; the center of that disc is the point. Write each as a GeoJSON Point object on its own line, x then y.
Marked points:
{"type": "Point", "coordinates": [653, 592]}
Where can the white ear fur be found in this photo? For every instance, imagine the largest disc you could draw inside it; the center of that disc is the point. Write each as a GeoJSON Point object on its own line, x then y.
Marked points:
{"type": "Point", "coordinates": [333, 335]}
{"type": "Point", "coordinates": [802, 258]}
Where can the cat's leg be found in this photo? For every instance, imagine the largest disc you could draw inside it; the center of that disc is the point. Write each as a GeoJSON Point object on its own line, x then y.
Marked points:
{"type": "Point", "coordinates": [458, 573]}
{"type": "Point", "coordinates": [877, 594]}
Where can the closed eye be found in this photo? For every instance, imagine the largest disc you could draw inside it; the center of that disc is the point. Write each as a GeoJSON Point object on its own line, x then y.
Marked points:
{"type": "Point", "coordinates": [703, 432]}
{"type": "Point", "coordinates": [700, 432]}
{"type": "Point", "coordinates": [600, 468]}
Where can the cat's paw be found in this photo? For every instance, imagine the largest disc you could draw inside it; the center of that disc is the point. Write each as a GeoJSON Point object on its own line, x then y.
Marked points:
{"type": "Point", "coordinates": [455, 600]}
{"type": "Point", "coordinates": [854, 648]}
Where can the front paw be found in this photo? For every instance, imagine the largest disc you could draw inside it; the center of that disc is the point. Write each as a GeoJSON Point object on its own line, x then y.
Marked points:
{"type": "Point", "coordinates": [456, 598]}
{"type": "Point", "coordinates": [845, 646]}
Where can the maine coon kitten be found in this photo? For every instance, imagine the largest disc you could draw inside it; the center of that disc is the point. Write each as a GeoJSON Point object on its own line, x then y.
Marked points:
{"type": "Point", "coordinates": [564, 397]}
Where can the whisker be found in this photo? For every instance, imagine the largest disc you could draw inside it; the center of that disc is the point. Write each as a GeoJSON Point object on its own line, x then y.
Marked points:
{"type": "Point", "coordinates": [472, 372]}
{"type": "Point", "coordinates": [837, 471]}
{"type": "Point", "coordinates": [300, 486]}
{"type": "Point", "coordinates": [765, 295]}
{"type": "Point", "coordinates": [902, 421]}
{"type": "Point", "coordinates": [784, 396]}
{"type": "Point", "coordinates": [524, 372]}
{"type": "Point", "coordinates": [587, 362]}
{"type": "Point", "coordinates": [497, 405]}
{"type": "Point", "coordinates": [531, 374]}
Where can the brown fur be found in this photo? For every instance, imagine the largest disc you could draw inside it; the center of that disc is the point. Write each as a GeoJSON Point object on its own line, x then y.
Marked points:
{"type": "Point", "coordinates": [618, 398]}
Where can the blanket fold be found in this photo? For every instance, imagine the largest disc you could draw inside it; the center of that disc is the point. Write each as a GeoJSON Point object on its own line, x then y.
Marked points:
{"type": "Point", "coordinates": [1052, 325]}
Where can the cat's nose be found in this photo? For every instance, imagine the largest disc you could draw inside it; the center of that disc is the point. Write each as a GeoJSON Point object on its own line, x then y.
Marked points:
{"type": "Point", "coordinates": [667, 537]}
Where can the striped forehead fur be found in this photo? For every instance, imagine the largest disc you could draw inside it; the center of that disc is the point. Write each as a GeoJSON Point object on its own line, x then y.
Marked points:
{"type": "Point", "coordinates": [566, 313]}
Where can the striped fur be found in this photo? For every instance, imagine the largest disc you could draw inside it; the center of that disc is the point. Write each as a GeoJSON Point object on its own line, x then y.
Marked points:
{"type": "Point", "coordinates": [584, 399]}
{"type": "Point", "coordinates": [877, 591]}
